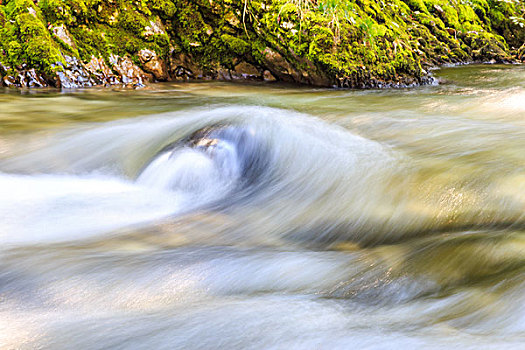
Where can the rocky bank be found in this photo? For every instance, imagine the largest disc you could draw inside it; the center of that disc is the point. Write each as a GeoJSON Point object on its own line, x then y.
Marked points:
{"type": "Point", "coordinates": [356, 43]}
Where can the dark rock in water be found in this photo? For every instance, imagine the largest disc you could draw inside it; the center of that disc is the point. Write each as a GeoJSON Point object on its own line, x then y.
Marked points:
{"type": "Point", "coordinates": [251, 152]}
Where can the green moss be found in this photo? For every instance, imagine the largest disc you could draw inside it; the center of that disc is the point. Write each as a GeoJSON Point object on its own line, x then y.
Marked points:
{"type": "Point", "coordinates": [132, 21]}
{"type": "Point", "coordinates": [166, 9]}
{"type": "Point", "coordinates": [90, 42]}
{"type": "Point", "coordinates": [353, 41]}
{"type": "Point", "coordinates": [162, 43]}
{"type": "Point", "coordinates": [417, 5]}
{"type": "Point", "coordinates": [40, 49]}
{"type": "Point", "coordinates": [239, 46]}
{"type": "Point", "coordinates": [25, 39]}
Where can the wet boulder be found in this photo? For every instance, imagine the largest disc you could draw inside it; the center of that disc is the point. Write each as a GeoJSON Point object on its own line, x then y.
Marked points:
{"type": "Point", "coordinates": [153, 64]}
{"type": "Point", "coordinates": [129, 72]}
{"type": "Point", "coordinates": [245, 71]}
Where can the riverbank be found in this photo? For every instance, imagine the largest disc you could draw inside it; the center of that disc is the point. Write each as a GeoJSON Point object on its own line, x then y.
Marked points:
{"type": "Point", "coordinates": [361, 44]}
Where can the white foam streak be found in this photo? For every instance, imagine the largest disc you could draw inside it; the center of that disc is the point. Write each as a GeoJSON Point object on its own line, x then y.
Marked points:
{"type": "Point", "coordinates": [53, 208]}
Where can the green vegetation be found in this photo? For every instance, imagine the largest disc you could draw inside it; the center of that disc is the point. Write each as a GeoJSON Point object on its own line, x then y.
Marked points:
{"type": "Point", "coordinates": [25, 38]}
{"type": "Point", "coordinates": [357, 43]}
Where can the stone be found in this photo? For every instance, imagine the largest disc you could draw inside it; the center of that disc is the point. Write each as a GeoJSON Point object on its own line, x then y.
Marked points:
{"type": "Point", "coordinates": [285, 71]}
{"type": "Point", "coordinates": [73, 75]}
{"type": "Point", "coordinates": [9, 81]}
{"type": "Point", "coordinates": [76, 74]}
{"type": "Point", "coordinates": [183, 66]}
{"type": "Point", "coordinates": [287, 25]}
{"type": "Point", "coordinates": [33, 79]}
{"type": "Point", "coordinates": [22, 81]}
{"type": "Point", "coordinates": [245, 71]}
{"type": "Point", "coordinates": [223, 74]}
{"type": "Point", "coordinates": [98, 68]}
{"type": "Point", "coordinates": [278, 64]}
{"type": "Point", "coordinates": [268, 76]}
{"type": "Point", "coordinates": [62, 33]}
{"type": "Point", "coordinates": [4, 68]}
{"type": "Point", "coordinates": [153, 64]}
{"type": "Point", "coordinates": [130, 73]}
{"type": "Point", "coordinates": [232, 19]}
{"type": "Point", "coordinates": [491, 51]}
{"type": "Point", "coordinates": [181, 73]}
{"type": "Point", "coordinates": [155, 27]}
{"type": "Point", "coordinates": [32, 11]}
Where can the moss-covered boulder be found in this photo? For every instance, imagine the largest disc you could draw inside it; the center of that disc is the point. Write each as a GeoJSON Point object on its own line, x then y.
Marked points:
{"type": "Point", "coordinates": [345, 43]}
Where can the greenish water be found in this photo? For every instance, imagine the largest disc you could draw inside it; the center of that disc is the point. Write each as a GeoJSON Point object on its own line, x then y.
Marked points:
{"type": "Point", "coordinates": [310, 218]}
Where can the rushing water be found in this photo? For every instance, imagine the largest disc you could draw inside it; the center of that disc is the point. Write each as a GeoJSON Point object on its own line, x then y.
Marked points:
{"type": "Point", "coordinates": [212, 215]}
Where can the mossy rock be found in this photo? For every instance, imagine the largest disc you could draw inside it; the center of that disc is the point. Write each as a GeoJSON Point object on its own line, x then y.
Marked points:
{"type": "Point", "coordinates": [237, 45]}
{"type": "Point", "coordinates": [364, 43]}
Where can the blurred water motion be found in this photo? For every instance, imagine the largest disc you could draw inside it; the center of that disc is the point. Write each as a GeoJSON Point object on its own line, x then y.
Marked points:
{"type": "Point", "coordinates": [213, 215]}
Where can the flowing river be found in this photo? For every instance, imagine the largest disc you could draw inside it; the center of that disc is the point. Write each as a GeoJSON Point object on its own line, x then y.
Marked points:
{"type": "Point", "coordinates": [231, 216]}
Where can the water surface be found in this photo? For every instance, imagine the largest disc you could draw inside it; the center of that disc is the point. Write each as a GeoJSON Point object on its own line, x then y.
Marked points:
{"type": "Point", "coordinates": [302, 218]}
